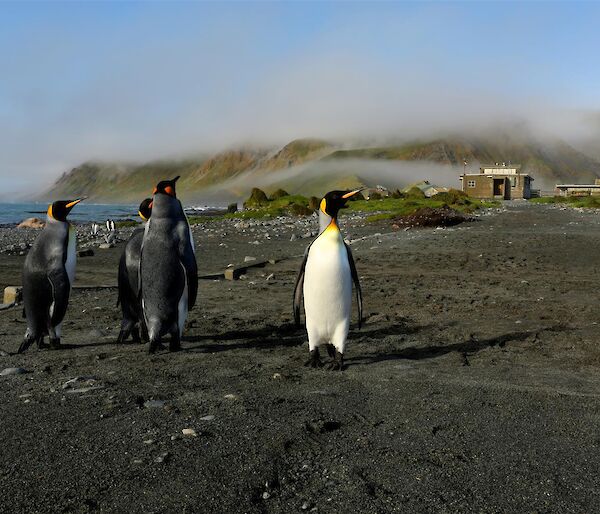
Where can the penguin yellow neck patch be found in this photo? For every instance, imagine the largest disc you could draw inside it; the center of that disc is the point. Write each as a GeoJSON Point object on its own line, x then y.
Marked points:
{"type": "Point", "coordinates": [332, 227]}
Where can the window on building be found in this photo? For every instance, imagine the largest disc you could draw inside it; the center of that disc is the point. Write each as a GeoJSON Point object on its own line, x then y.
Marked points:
{"type": "Point", "coordinates": [513, 181]}
{"type": "Point", "coordinates": [471, 183]}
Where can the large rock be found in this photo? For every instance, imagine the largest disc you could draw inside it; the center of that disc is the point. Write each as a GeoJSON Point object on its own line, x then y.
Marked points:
{"type": "Point", "coordinates": [31, 223]}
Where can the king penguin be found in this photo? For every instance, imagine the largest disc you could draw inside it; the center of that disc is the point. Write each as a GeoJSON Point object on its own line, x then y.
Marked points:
{"type": "Point", "coordinates": [325, 281]}
{"type": "Point", "coordinates": [168, 269]}
{"type": "Point", "coordinates": [48, 274]}
{"type": "Point", "coordinates": [129, 279]}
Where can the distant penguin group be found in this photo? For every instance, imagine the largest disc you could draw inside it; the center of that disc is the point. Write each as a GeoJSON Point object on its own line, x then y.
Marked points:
{"type": "Point", "coordinates": [158, 278]}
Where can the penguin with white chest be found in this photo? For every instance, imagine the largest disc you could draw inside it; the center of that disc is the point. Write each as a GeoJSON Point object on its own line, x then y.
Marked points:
{"type": "Point", "coordinates": [48, 275]}
{"type": "Point", "coordinates": [325, 281]}
{"type": "Point", "coordinates": [129, 280]}
{"type": "Point", "coordinates": [168, 269]}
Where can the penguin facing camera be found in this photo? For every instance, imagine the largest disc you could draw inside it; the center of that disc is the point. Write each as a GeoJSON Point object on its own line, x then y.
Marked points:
{"type": "Point", "coordinates": [48, 275]}
{"type": "Point", "coordinates": [325, 282]}
{"type": "Point", "coordinates": [129, 279]}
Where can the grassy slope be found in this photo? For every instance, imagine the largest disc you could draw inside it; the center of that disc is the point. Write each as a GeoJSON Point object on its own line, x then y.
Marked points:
{"type": "Point", "coordinates": [592, 202]}
{"type": "Point", "coordinates": [380, 209]}
{"type": "Point", "coordinates": [549, 162]}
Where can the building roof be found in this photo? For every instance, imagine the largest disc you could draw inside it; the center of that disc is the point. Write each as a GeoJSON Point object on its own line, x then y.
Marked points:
{"type": "Point", "coordinates": [564, 186]}
{"type": "Point", "coordinates": [496, 175]}
{"type": "Point", "coordinates": [501, 165]}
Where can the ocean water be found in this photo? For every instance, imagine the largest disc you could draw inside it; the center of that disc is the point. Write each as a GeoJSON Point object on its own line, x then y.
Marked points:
{"type": "Point", "coordinates": [11, 213]}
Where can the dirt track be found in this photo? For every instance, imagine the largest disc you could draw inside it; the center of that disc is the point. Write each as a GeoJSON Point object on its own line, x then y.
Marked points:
{"type": "Point", "coordinates": [473, 387]}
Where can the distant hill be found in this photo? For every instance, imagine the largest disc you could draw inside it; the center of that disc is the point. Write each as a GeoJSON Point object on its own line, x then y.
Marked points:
{"type": "Point", "coordinates": [312, 166]}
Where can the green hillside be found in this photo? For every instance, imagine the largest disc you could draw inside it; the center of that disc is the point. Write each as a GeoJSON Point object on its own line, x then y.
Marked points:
{"type": "Point", "coordinates": [310, 167]}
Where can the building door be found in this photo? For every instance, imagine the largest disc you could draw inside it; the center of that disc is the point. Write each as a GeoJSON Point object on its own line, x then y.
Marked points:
{"type": "Point", "coordinates": [499, 187]}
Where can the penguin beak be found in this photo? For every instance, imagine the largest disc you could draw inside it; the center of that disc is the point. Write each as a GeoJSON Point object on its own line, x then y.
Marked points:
{"type": "Point", "coordinates": [72, 204]}
{"type": "Point", "coordinates": [350, 194]}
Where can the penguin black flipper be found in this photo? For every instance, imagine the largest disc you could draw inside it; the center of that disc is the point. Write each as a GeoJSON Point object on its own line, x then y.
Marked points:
{"type": "Point", "coordinates": [298, 288]}
{"type": "Point", "coordinates": [61, 287]}
{"type": "Point", "coordinates": [356, 285]}
{"type": "Point", "coordinates": [188, 260]}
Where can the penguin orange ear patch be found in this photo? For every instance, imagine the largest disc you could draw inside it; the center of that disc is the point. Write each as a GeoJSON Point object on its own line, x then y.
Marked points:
{"type": "Point", "coordinates": [323, 205]}
{"type": "Point", "coordinates": [169, 190]}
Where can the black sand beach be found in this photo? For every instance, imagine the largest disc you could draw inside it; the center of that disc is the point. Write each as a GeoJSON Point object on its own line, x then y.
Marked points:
{"type": "Point", "coordinates": [473, 386]}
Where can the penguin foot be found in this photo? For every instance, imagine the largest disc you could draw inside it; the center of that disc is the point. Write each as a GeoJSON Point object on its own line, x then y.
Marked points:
{"type": "Point", "coordinates": [338, 363]}
{"type": "Point", "coordinates": [24, 345]}
{"type": "Point", "coordinates": [135, 335]}
{"type": "Point", "coordinates": [55, 344]}
{"type": "Point", "coordinates": [155, 346]}
{"type": "Point", "coordinates": [331, 350]}
{"type": "Point", "coordinates": [174, 344]}
{"type": "Point", "coordinates": [122, 337]}
{"type": "Point", "coordinates": [314, 361]}
{"type": "Point", "coordinates": [40, 344]}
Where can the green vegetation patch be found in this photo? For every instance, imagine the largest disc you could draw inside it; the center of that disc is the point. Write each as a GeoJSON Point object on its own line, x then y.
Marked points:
{"type": "Point", "coordinates": [589, 202]}
{"type": "Point", "coordinates": [390, 207]}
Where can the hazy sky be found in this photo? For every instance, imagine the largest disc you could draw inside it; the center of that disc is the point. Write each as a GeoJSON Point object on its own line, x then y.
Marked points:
{"type": "Point", "coordinates": [138, 80]}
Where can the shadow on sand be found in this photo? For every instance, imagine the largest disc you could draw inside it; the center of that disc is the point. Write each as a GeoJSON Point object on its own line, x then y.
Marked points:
{"type": "Point", "coordinates": [464, 348]}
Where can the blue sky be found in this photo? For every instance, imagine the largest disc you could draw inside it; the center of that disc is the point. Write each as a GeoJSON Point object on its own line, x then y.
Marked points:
{"type": "Point", "coordinates": [140, 80]}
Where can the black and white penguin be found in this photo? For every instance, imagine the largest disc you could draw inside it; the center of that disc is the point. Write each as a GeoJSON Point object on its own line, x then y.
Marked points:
{"type": "Point", "coordinates": [168, 269]}
{"type": "Point", "coordinates": [325, 282]}
{"type": "Point", "coordinates": [129, 280]}
{"type": "Point", "coordinates": [48, 274]}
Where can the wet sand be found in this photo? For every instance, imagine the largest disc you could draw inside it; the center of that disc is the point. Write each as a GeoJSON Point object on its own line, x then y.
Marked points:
{"type": "Point", "coordinates": [474, 385]}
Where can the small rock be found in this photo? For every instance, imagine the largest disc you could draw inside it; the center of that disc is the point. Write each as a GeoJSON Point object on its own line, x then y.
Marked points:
{"type": "Point", "coordinates": [231, 397]}
{"type": "Point", "coordinates": [377, 318]}
{"type": "Point", "coordinates": [163, 457]}
{"type": "Point", "coordinates": [189, 432]}
{"type": "Point", "coordinates": [210, 417]}
{"type": "Point", "coordinates": [149, 441]}
{"type": "Point", "coordinates": [266, 495]}
{"type": "Point", "coordinates": [13, 294]}
{"type": "Point", "coordinates": [12, 371]}
{"type": "Point", "coordinates": [248, 258]}
{"type": "Point", "coordinates": [106, 246]}
{"type": "Point", "coordinates": [154, 404]}
{"type": "Point", "coordinates": [294, 237]}
{"type": "Point", "coordinates": [277, 376]}
{"type": "Point", "coordinates": [270, 277]}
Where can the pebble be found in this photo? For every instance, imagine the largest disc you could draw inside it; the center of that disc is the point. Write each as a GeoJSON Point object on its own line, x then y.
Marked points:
{"type": "Point", "coordinates": [270, 277]}
{"type": "Point", "coordinates": [294, 237]}
{"type": "Point", "coordinates": [230, 397]}
{"type": "Point", "coordinates": [210, 417]}
{"type": "Point", "coordinates": [155, 404]}
{"type": "Point", "coordinates": [189, 432]}
{"type": "Point", "coordinates": [12, 371]}
{"type": "Point", "coordinates": [249, 258]}
{"type": "Point", "coordinates": [162, 457]}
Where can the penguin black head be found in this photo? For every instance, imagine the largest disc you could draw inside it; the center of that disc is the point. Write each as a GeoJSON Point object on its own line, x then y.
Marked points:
{"type": "Point", "coordinates": [333, 201]}
{"type": "Point", "coordinates": [166, 187]}
{"type": "Point", "coordinates": [60, 209]}
{"type": "Point", "coordinates": [145, 210]}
